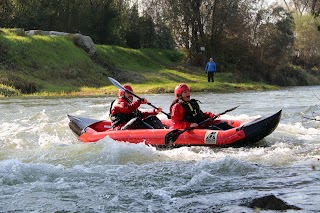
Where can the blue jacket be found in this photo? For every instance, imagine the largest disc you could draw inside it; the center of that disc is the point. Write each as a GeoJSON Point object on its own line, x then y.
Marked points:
{"type": "Point", "coordinates": [211, 67]}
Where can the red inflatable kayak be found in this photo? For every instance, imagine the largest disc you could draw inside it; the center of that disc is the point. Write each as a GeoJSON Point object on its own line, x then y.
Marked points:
{"type": "Point", "coordinates": [239, 133]}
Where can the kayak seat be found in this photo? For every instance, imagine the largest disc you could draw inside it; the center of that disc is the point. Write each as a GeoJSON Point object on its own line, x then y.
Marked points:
{"type": "Point", "coordinates": [136, 123]}
{"type": "Point", "coordinates": [220, 126]}
{"type": "Point", "coordinates": [154, 121]}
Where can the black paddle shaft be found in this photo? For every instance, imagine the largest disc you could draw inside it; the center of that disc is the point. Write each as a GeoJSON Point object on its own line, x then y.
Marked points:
{"type": "Point", "coordinates": [117, 84]}
{"type": "Point", "coordinates": [172, 136]}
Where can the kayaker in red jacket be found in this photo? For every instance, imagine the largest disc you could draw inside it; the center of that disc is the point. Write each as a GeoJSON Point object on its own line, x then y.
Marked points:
{"type": "Point", "coordinates": [185, 112]}
{"type": "Point", "coordinates": [124, 113]}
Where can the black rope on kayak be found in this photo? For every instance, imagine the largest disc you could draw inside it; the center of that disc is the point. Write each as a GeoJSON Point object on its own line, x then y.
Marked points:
{"type": "Point", "coordinates": [313, 117]}
{"type": "Point", "coordinates": [313, 114]}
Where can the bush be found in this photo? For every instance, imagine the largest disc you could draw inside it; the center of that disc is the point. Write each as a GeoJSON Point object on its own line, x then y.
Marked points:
{"type": "Point", "coordinates": [174, 56]}
{"type": "Point", "coordinates": [20, 84]}
{"type": "Point", "coordinates": [291, 75]}
{"type": "Point", "coordinates": [7, 91]}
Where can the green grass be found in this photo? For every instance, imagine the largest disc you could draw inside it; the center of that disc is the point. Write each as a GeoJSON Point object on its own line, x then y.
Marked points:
{"type": "Point", "coordinates": [54, 65]}
{"type": "Point", "coordinates": [146, 60]}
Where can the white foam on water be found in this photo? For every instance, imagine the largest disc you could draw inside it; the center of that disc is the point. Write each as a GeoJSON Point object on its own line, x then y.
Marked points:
{"type": "Point", "coordinates": [41, 159]}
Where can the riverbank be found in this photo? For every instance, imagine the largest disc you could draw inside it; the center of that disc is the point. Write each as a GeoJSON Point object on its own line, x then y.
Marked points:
{"type": "Point", "coordinates": [54, 66]}
{"type": "Point", "coordinates": [218, 87]}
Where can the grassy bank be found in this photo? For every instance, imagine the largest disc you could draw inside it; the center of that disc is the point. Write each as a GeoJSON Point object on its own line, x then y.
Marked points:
{"type": "Point", "coordinates": [54, 65]}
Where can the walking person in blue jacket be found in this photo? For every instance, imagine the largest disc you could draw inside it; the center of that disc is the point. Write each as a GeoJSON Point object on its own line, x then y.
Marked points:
{"type": "Point", "coordinates": [211, 69]}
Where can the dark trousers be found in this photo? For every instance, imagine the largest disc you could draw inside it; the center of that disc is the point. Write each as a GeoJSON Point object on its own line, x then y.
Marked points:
{"type": "Point", "coordinates": [211, 76]}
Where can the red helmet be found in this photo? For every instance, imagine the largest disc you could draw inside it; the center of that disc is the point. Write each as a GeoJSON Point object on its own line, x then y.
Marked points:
{"type": "Point", "coordinates": [121, 92]}
{"type": "Point", "coordinates": [179, 89]}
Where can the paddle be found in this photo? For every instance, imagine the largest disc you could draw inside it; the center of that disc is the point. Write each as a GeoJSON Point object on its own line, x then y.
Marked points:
{"type": "Point", "coordinates": [172, 136]}
{"type": "Point", "coordinates": [117, 84]}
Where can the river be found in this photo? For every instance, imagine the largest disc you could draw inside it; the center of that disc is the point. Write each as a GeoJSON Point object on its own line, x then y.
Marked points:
{"type": "Point", "coordinates": [44, 168]}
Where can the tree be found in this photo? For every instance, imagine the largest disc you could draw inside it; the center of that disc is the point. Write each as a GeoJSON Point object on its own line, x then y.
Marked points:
{"type": "Point", "coordinates": [148, 33]}
{"type": "Point", "coordinates": [133, 34]}
{"type": "Point", "coordinates": [307, 41]}
{"type": "Point", "coordinates": [6, 10]}
{"type": "Point", "coordinates": [275, 37]}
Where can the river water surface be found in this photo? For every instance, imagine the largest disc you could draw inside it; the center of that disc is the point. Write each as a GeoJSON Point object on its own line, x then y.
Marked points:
{"type": "Point", "coordinates": [44, 168]}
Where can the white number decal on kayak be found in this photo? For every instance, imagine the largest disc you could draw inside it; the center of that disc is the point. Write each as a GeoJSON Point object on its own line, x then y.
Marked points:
{"type": "Point", "coordinates": [210, 137]}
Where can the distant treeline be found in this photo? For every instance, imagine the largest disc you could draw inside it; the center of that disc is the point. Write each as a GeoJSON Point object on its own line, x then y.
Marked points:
{"type": "Point", "coordinates": [256, 41]}
{"type": "Point", "coordinates": [106, 21]}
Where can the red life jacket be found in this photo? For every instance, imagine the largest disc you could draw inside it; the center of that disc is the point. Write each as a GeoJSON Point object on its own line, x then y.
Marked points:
{"type": "Point", "coordinates": [118, 118]}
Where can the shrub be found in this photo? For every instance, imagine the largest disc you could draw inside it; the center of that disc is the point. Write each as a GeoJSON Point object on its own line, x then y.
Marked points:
{"type": "Point", "coordinates": [7, 91]}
